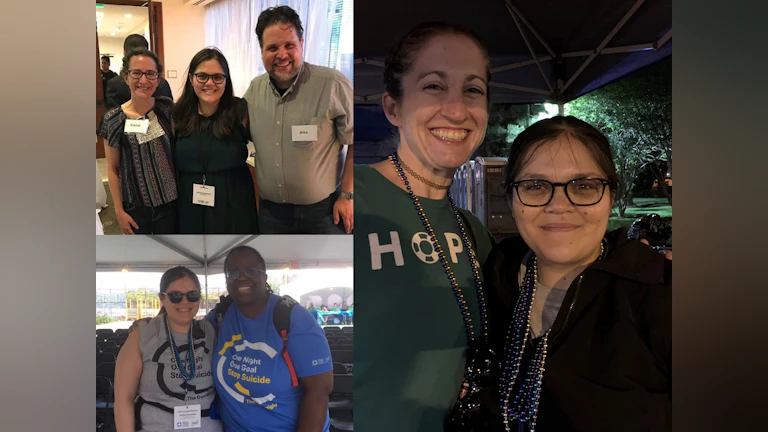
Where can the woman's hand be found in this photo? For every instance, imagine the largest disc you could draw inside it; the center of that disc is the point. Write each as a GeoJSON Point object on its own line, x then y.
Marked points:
{"type": "Point", "coordinates": [667, 254]}
{"type": "Point", "coordinates": [127, 224]}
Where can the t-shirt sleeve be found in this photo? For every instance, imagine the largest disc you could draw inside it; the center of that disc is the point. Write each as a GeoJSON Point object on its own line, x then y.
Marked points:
{"type": "Point", "coordinates": [307, 344]}
{"type": "Point", "coordinates": [110, 127]}
{"type": "Point", "coordinates": [343, 107]}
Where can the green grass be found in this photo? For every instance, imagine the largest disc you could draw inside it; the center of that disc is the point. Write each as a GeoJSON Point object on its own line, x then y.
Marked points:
{"type": "Point", "coordinates": [643, 206]}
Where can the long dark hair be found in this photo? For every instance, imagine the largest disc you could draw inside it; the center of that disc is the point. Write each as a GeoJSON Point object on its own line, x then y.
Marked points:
{"type": "Point", "coordinates": [185, 111]}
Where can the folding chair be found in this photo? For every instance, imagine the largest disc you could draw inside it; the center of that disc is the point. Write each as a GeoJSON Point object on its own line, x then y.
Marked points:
{"type": "Point", "coordinates": [105, 358]}
{"type": "Point", "coordinates": [104, 402]}
{"type": "Point", "coordinates": [118, 340]}
{"type": "Point", "coordinates": [342, 356]}
{"type": "Point", "coordinates": [105, 344]}
{"type": "Point", "coordinates": [114, 350]}
{"type": "Point", "coordinates": [106, 369]}
{"type": "Point", "coordinates": [340, 403]}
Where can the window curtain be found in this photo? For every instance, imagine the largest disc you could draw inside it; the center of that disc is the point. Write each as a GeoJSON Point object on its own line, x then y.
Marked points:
{"type": "Point", "coordinates": [328, 41]}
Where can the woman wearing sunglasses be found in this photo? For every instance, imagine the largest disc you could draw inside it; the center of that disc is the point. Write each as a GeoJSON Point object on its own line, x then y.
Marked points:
{"type": "Point", "coordinates": [138, 145]}
{"type": "Point", "coordinates": [584, 317]}
{"type": "Point", "coordinates": [167, 363]}
{"type": "Point", "coordinates": [216, 187]}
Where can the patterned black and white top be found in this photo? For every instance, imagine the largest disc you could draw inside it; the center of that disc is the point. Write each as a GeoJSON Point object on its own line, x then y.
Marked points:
{"type": "Point", "coordinates": [147, 174]}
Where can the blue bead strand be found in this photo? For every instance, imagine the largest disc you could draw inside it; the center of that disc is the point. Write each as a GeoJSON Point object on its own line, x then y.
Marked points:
{"type": "Point", "coordinates": [466, 315]}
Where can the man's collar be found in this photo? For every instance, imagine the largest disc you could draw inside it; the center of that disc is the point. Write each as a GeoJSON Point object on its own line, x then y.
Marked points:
{"type": "Point", "coordinates": [293, 84]}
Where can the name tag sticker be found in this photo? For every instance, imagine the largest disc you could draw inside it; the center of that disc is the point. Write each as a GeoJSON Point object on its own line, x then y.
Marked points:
{"type": "Point", "coordinates": [136, 126]}
{"type": "Point", "coordinates": [186, 417]}
{"type": "Point", "coordinates": [304, 133]}
{"type": "Point", "coordinates": [203, 195]}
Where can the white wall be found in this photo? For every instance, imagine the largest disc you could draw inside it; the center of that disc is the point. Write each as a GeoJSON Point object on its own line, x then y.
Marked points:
{"type": "Point", "coordinates": [184, 36]}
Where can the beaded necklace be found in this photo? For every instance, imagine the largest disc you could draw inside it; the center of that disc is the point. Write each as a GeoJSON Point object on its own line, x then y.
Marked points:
{"type": "Point", "coordinates": [190, 357]}
{"type": "Point", "coordinates": [467, 246]}
{"type": "Point", "coordinates": [525, 406]}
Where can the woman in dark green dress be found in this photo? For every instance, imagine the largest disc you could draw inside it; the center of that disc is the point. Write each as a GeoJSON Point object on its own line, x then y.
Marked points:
{"type": "Point", "coordinates": [216, 187]}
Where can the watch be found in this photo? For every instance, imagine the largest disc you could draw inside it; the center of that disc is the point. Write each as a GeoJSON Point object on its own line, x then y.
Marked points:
{"type": "Point", "coordinates": [347, 195]}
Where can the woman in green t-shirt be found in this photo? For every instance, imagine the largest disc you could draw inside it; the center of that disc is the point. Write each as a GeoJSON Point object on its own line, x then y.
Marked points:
{"type": "Point", "coordinates": [422, 296]}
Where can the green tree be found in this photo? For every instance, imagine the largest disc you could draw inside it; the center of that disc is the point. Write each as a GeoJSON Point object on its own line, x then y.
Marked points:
{"type": "Point", "coordinates": [635, 114]}
{"type": "Point", "coordinates": [104, 319]}
{"type": "Point", "coordinates": [505, 122]}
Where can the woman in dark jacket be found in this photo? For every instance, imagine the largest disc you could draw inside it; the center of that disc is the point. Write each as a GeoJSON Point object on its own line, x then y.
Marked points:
{"type": "Point", "coordinates": [584, 318]}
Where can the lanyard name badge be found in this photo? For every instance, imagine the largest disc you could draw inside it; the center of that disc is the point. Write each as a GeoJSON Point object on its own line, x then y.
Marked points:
{"type": "Point", "coordinates": [203, 194]}
{"type": "Point", "coordinates": [136, 126]}
{"type": "Point", "coordinates": [186, 416]}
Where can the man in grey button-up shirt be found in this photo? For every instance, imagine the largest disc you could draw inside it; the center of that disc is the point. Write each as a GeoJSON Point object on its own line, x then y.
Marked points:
{"type": "Point", "coordinates": [300, 118]}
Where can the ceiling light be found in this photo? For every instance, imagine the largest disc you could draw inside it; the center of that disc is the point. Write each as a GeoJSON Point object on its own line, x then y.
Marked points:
{"type": "Point", "coordinates": [112, 34]}
{"type": "Point", "coordinates": [128, 15]}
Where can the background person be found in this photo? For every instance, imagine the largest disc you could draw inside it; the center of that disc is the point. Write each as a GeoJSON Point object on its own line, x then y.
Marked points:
{"type": "Point", "coordinates": [117, 92]}
{"type": "Point", "coordinates": [106, 74]}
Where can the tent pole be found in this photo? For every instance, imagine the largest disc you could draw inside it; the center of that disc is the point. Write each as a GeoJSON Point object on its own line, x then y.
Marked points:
{"type": "Point", "coordinates": [560, 108]}
{"type": "Point", "coordinates": [605, 41]}
{"type": "Point", "coordinates": [530, 47]}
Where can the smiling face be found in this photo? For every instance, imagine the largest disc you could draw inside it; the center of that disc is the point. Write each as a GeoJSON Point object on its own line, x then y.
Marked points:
{"type": "Point", "coordinates": [282, 52]}
{"type": "Point", "coordinates": [142, 87]}
{"type": "Point", "coordinates": [561, 233]}
{"type": "Point", "coordinates": [443, 111]}
{"type": "Point", "coordinates": [182, 313]}
{"type": "Point", "coordinates": [246, 289]}
{"type": "Point", "coordinates": [208, 92]}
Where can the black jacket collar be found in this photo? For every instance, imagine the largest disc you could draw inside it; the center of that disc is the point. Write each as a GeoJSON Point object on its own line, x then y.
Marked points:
{"type": "Point", "coordinates": [626, 258]}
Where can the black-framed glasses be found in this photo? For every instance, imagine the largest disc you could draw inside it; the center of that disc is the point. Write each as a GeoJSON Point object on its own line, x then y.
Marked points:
{"type": "Point", "coordinates": [249, 272]}
{"type": "Point", "coordinates": [150, 74]}
{"type": "Point", "coordinates": [580, 192]}
{"type": "Point", "coordinates": [203, 78]}
{"type": "Point", "coordinates": [175, 297]}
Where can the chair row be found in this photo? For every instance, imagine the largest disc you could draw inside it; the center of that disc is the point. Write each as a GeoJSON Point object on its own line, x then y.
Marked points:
{"type": "Point", "coordinates": [340, 402]}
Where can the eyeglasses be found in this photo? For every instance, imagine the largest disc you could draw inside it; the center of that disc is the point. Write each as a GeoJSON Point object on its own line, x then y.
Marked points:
{"type": "Point", "coordinates": [175, 297]}
{"type": "Point", "coordinates": [202, 78]}
{"type": "Point", "coordinates": [249, 272]}
{"type": "Point", "coordinates": [136, 74]}
{"type": "Point", "coordinates": [580, 192]}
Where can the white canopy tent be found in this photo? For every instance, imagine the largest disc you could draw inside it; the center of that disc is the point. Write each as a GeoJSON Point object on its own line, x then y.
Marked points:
{"type": "Point", "coordinates": [205, 254]}
{"type": "Point", "coordinates": [158, 253]}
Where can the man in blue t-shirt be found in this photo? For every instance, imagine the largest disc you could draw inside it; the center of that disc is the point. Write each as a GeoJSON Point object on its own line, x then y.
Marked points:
{"type": "Point", "coordinates": [257, 388]}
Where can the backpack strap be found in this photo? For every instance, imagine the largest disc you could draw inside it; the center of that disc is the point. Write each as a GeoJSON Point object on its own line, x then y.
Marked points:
{"type": "Point", "coordinates": [221, 308]}
{"type": "Point", "coordinates": [282, 320]}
